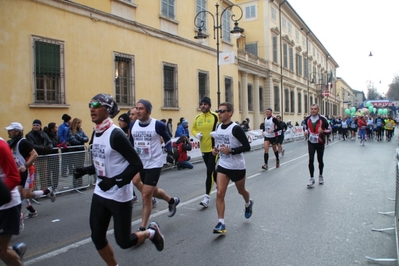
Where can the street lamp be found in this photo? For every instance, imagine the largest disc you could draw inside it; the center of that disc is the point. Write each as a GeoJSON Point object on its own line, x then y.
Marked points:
{"type": "Point", "coordinates": [317, 79]}
{"type": "Point", "coordinates": [217, 26]}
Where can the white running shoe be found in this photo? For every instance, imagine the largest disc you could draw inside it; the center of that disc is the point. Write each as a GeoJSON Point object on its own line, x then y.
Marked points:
{"type": "Point", "coordinates": [321, 180]}
{"type": "Point", "coordinates": [311, 182]}
{"type": "Point", "coordinates": [205, 202]}
{"type": "Point", "coordinates": [51, 195]}
{"type": "Point", "coordinates": [154, 202]}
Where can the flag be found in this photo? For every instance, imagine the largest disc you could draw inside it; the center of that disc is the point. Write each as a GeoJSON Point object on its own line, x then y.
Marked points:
{"type": "Point", "coordinates": [330, 79]}
{"type": "Point", "coordinates": [226, 58]}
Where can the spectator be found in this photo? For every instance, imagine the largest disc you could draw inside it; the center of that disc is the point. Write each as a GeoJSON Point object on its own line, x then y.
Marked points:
{"type": "Point", "coordinates": [63, 137]}
{"type": "Point", "coordinates": [124, 122]}
{"type": "Point", "coordinates": [169, 127]}
{"type": "Point", "coordinates": [53, 160]}
{"type": "Point", "coordinates": [43, 146]}
{"type": "Point", "coordinates": [182, 130]}
{"type": "Point", "coordinates": [77, 137]}
{"type": "Point", "coordinates": [183, 145]}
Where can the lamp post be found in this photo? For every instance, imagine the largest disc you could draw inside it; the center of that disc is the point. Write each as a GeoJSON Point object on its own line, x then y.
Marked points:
{"type": "Point", "coordinates": [217, 27]}
{"type": "Point", "coordinates": [317, 79]}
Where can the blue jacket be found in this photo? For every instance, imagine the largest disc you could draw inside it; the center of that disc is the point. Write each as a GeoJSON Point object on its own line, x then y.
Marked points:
{"type": "Point", "coordinates": [63, 132]}
{"type": "Point", "coordinates": [79, 138]}
{"type": "Point", "coordinates": [181, 130]}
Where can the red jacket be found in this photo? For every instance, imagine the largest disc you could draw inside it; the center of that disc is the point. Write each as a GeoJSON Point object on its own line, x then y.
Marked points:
{"type": "Point", "coordinates": [9, 167]}
{"type": "Point", "coordinates": [361, 123]}
{"type": "Point", "coordinates": [182, 153]}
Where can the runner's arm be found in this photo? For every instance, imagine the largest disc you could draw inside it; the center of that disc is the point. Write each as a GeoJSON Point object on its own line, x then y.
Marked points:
{"type": "Point", "coordinates": [239, 133]}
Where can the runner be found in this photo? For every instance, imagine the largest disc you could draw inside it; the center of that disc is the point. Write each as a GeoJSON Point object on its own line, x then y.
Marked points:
{"type": "Point", "coordinates": [203, 125]}
{"type": "Point", "coordinates": [389, 127]}
{"type": "Point", "coordinates": [114, 162]}
{"type": "Point", "coordinates": [316, 124]}
{"type": "Point", "coordinates": [379, 122]}
{"type": "Point", "coordinates": [280, 138]}
{"type": "Point", "coordinates": [147, 133]}
{"type": "Point", "coordinates": [344, 126]}
{"type": "Point", "coordinates": [272, 126]}
{"type": "Point", "coordinates": [231, 142]}
{"type": "Point", "coordinates": [362, 124]}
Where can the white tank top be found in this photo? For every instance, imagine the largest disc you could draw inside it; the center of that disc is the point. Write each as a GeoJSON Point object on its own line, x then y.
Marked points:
{"type": "Point", "coordinates": [148, 146]}
{"type": "Point", "coordinates": [225, 137]}
{"type": "Point", "coordinates": [269, 125]}
{"type": "Point", "coordinates": [109, 163]}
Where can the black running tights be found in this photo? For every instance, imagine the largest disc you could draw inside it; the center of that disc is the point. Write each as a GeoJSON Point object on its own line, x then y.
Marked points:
{"type": "Point", "coordinates": [312, 148]}
{"type": "Point", "coordinates": [210, 163]}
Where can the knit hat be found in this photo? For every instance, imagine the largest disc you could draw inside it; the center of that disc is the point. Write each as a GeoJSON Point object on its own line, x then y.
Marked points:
{"type": "Point", "coordinates": [185, 123]}
{"type": "Point", "coordinates": [37, 121]}
{"type": "Point", "coordinates": [206, 100]}
{"type": "Point", "coordinates": [146, 104]}
{"type": "Point", "coordinates": [15, 126]}
{"type": "Point", "coordinates": [66, 117]}
{"type": "Point", "coordinates": [108, 102]}
{"type": "Point", "coordinates": [124, 118]}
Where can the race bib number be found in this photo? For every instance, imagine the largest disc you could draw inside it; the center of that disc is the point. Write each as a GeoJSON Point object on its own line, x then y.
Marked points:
{"type": "Point", "coordinates": [314, 138]}
{"type": "Point", "coordinates": [143, 150]}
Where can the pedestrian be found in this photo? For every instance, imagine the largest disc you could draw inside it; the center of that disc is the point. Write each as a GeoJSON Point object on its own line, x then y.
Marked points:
{"type": "Point", "coordinates": [182, 130]}
{"type": "Point", "coordinates": [270, 133]}
{"type": "Point", "coordinates": [43, 146]}
{"type": "Point", "coordinates": [54, 158]}
{"type": "Point", "coordinates": [10, 207]}
{"type": "Point", "coordinates": [183, 145]}
{"type": "Point", "coordinates": [231, 142]}
{"type": "Point", "coordinates": [77, 139]}
{"type": "Point", "coordinates": [114, 162]}
{"type": "Point", "coordinates": [203, 125]}
{"type": "Point", "coordinates": [24, 157]}
{"type": "Point", "coordinates": [280, 137]}
{"type": "Point", "coordinates": [147, 133]}
{"type": "Point", "coordinates": [169, 126]}
{"type": "Point", "coordinates": [316, 124]}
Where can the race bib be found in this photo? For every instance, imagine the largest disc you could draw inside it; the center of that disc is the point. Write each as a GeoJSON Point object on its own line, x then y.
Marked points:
{"type": "Point", "coordinates": [314, 138]}
{"type": "Point", "coordinates": [99, 165]}
{"type": "Point", "coordinates": [143, 149]}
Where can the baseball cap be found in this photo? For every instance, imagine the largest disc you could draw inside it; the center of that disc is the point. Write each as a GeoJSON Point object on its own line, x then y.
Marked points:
{"type": "Point", "coordinates": [15, 126]}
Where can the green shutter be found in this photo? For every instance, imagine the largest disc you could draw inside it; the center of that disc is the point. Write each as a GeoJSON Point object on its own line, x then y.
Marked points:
{"type": "Point", "coordinates": [47, 58]}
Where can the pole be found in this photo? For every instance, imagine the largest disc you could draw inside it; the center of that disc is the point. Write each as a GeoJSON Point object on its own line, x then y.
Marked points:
{"type": "Point", "coordinates": [281, 67]}
{"type": "Point", "coordinates": [217, 51]}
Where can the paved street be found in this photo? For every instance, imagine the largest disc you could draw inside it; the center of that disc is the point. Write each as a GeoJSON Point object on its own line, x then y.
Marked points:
{"type": "Point", "coordinates": [329, 224]}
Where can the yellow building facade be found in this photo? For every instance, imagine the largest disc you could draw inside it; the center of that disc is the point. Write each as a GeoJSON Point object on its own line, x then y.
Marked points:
{"type": "Point", "coordinates": [56, 54]}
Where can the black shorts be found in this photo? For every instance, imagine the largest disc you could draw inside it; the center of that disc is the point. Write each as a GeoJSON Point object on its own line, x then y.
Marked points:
{"type": "Point", "coordinates": [280, 139]}
{"type": "Point", "coordinates": [272, 141]}
{"type": "Point", "coordinates": [9, 220]}
{"type": "Point", "coordinates": [150, 176]}
{"type": "Point", "coordinates": [233, 175]}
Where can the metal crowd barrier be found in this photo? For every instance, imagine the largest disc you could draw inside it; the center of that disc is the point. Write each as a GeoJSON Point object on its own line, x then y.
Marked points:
{"type": "Point", "coordinates": [56, 169]}
{"type": "Point", "coordinates": [396, 220]}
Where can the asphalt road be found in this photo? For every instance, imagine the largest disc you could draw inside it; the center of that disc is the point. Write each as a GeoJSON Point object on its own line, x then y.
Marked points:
{"type": "Point", "coordinates": [329, 224]}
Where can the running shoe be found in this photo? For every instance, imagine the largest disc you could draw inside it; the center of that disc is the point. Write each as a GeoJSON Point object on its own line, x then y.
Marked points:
{"type": "Point", "coordinates": [20, 249]}
{"type": "Point", "coordinates": [205, 202]}
{"type": "Point", "coordinates": [51, 195]}
{"type": "Point", "coordinates": [311, 182]}
{"type": "Point", "coordinates": [21, 223]}
{"type": "Point", "coordinates": [282, 153]}
{"type": "Point", "coordinates": [154, 202]}
{"type": "Point", "coordinates": [158, 238]}
{"type": "Point", "coordinates": [220, 229]}
{"type": "Point", "coordinates": [277, 163]}
{"type": "Point", "coordinates": [31, 215]}
{"type": "Point", "coordinates": [172, 207]}
{"type": "Point", "coordinates": [248, 210]}
{"type": "Point", "coordinates": [265, 167]}
{"type": "Point", "coordinates": [321, 180]}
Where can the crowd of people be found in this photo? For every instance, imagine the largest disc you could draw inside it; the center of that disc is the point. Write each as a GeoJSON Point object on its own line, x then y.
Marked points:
{"type": "Point", "coordinates": [132, 156]}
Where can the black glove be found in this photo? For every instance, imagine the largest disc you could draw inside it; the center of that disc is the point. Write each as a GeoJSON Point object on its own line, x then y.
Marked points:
{"type": "Point", "coordinates": [106, 183]}
{"type": "Point", "coordinates": [79, 172]}
{"type": "Point", "coordinates": [5, 194]}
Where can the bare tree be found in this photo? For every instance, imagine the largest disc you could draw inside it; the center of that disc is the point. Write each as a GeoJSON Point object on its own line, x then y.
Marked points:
{"type": "Point", "coordinates": [393, 91]}
{"type": "Point", "coordinates": [372, 93]}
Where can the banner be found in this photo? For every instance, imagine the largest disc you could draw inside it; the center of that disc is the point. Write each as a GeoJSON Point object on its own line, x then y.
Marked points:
{"type": "Point", "coordinates": [226, 58]}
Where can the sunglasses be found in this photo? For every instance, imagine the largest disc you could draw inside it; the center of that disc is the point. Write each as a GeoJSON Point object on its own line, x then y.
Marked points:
{"type": "Point", "coordinates": [95, 105]}
{"type": "Point", "coordinates": [222, 111]}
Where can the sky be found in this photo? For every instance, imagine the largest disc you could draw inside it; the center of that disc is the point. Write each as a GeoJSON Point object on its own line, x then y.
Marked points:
{"type": "Point", "coordinates": [350, 30]}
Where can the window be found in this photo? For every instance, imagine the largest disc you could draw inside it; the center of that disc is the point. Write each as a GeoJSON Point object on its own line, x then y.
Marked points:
{"type": "Point", "coordinates": [250, 98]}
{"type": "Point", "coordinates": [226, 26]}
{"type": "Point", "coordinates": [261, 104]}
{"type": "Point", "coordinates": [289, 29]}
{"type": "Point", "coordinates": [201, 6]}
{"type": "Point", "coordinates": [306, 68]}
{"type": "Point", "coordinates": [124, 79]}
{"type": "Point", "coordinates": [291, 59]}
{"type": "Point", "coordinates": [284, 22]}
{"type": "Point", "coordinates": [306, 104]}
{"type": "Point", "coordinates": [275, 53]}
{"type": "Point", "coordinates": [274, 14]}
{"type": "Point", "coordinates": [168, 8]}
{"type": "Point", "coordinates": [250, 12]}
{"type": "Point", "coordinates": [311, 100]}
{"type": "Point", "coordinates": [228, 89]}
{"type": "Point", "coordinates": [49, 82]}
{"type": "Point", "coordinates": [170, 85]}
{"type": "Point", "coordinates": [252, 48]}
{"type": "Point", "coordinates": [292, 98]}
{"type": "Point", "coordinates": [203, 87]}
{"type": "Point", "coordinates": [285, 55]}
{"type": "Point", "coordinates": [299, 102]}
{"type": "Point", "coordinates": [276, 90]}
{"type": "Point", "coordinates": [297, 35]}
{"type": "Point", "coordinates": [286, 101]}
{"type": "Point", "coordinates": [299, 64]}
